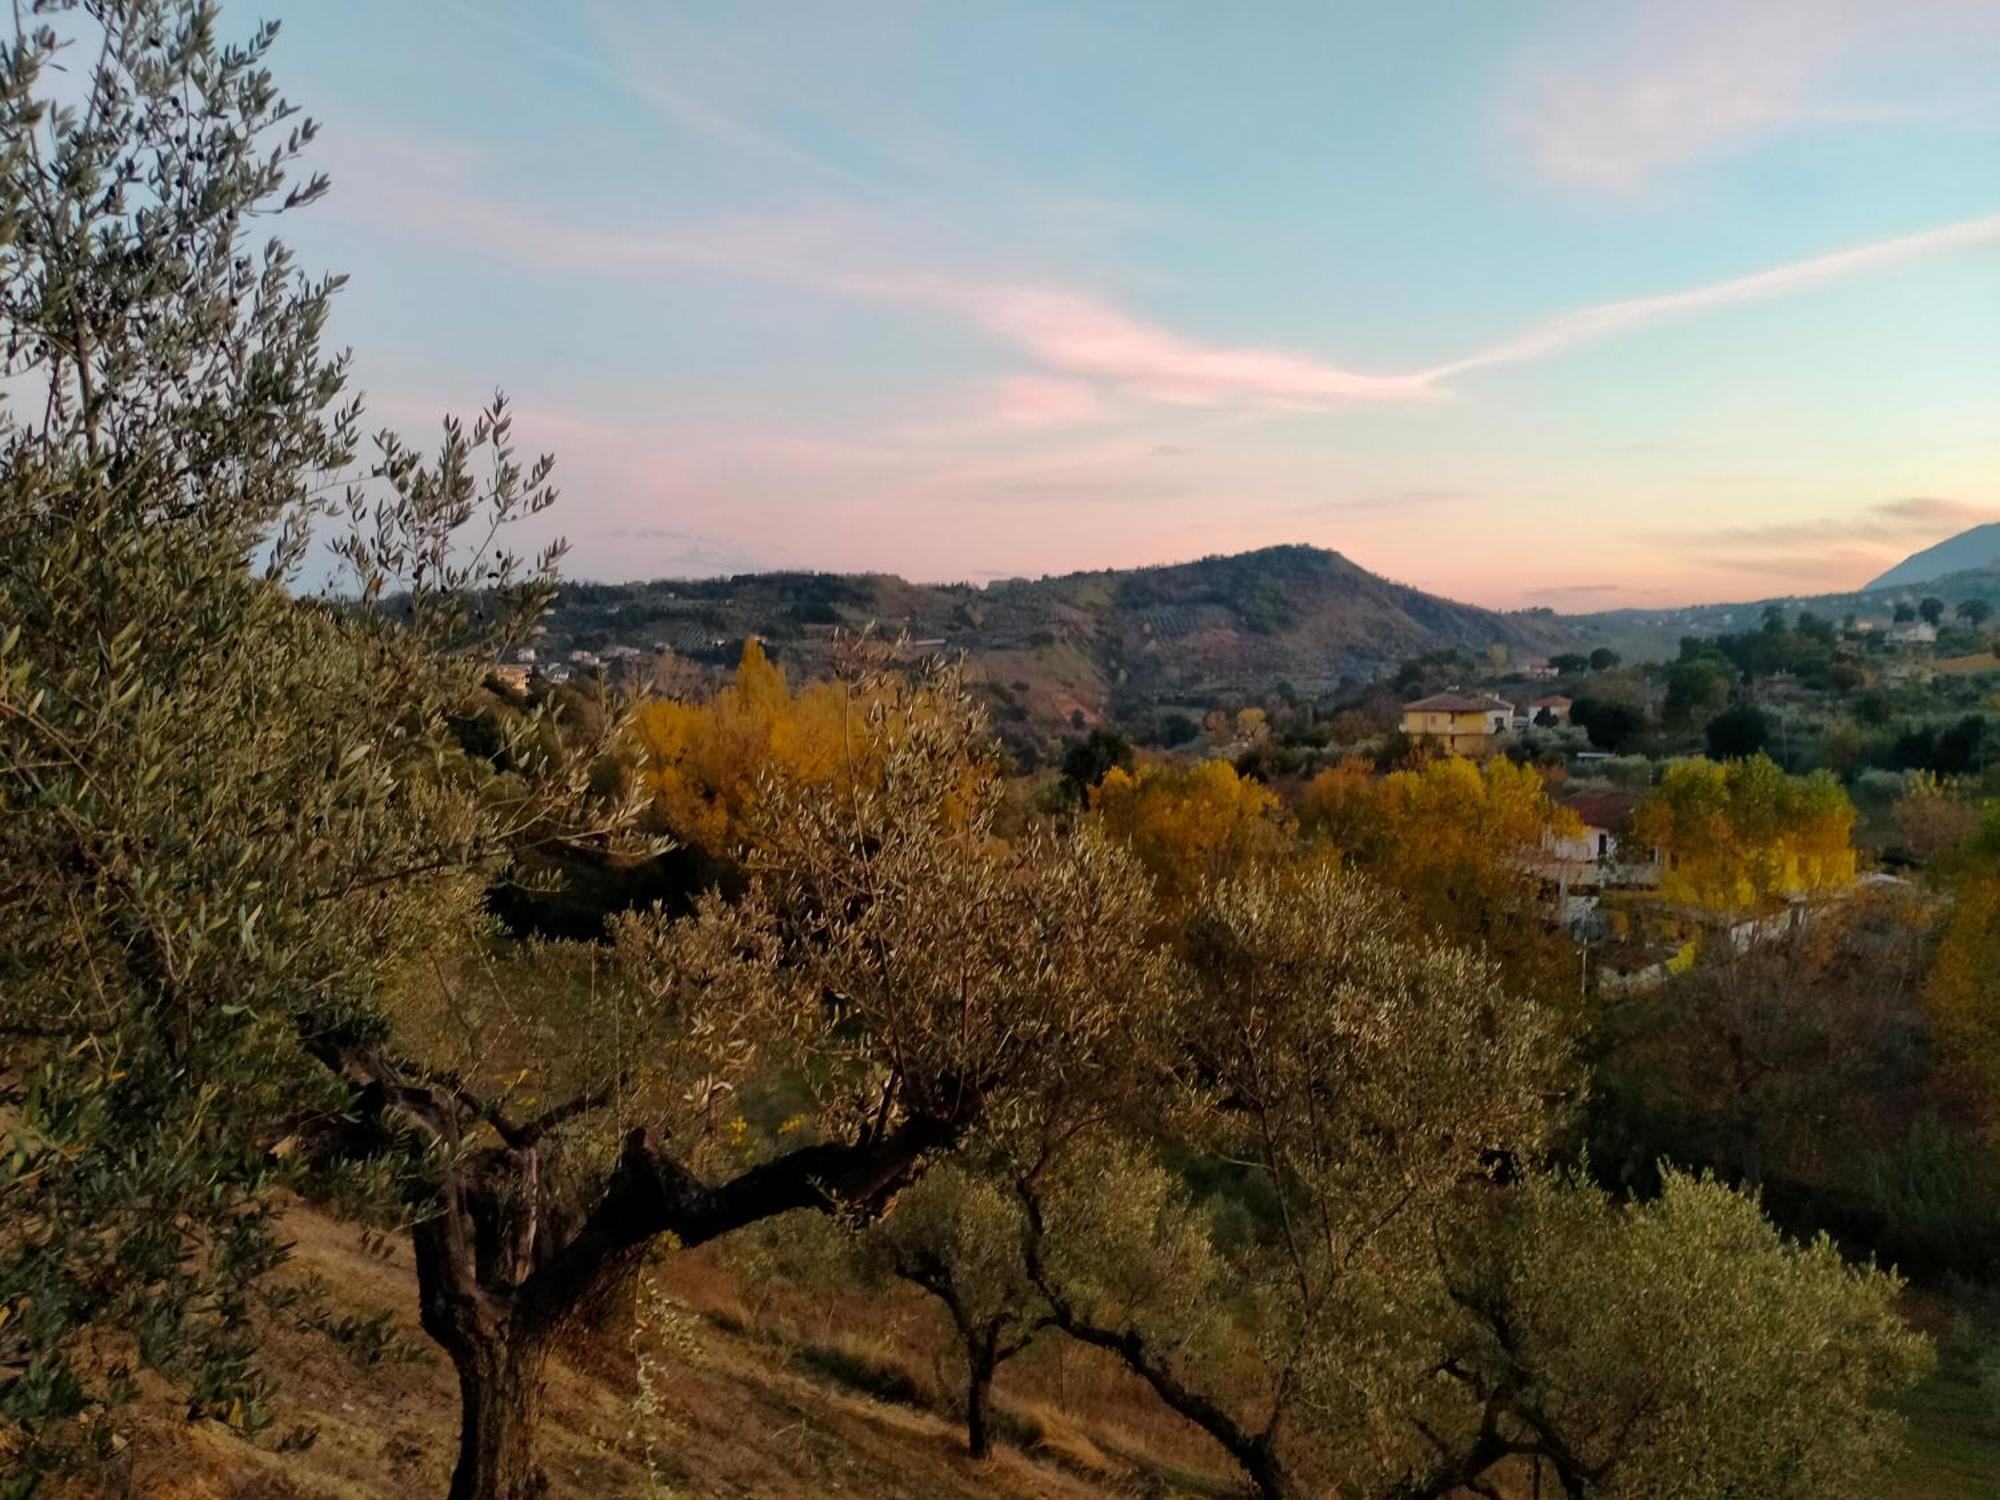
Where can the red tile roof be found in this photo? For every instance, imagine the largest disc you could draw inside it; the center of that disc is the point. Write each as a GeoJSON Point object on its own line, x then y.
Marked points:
{"type": "Point", "coordinates": [1601, 809]}
{"type": "Point", "coordinates": [1458, 703]}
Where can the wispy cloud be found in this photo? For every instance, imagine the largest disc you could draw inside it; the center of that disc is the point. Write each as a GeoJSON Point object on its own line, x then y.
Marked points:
{"type": "Point", "coordinates": [651, 87]}
{"type": "Point", "coordinates": [1577, 590]}
{"type": "Point", "coordinates": [1590, 324]}
{"type": "Point", "coordinates": [1085, 337]}
{"type": "Point", "coordinates": [1075, 340]}
{"type": "Point", "coordinates": [1887, 523]}
{"type": "Point", "coordinates": [1648, 89]}
{"type": "Point", "coordinates": [1828, 552]}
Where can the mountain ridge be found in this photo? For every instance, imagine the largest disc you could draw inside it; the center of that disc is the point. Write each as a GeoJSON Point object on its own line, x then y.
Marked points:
{"type": "Point", "coordinates": [1213, 630]}
{"type": "Point", "coordinates": [1970, 550]}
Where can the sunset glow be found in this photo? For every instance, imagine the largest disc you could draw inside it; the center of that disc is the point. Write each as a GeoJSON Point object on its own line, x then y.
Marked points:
{"type": "Point", "coordinates": [1703, 292]}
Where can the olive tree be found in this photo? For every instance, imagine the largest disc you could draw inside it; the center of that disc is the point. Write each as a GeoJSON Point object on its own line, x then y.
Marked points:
{"type": "Point", "coordinates": [239, 835]}
{"type": "Point", "coordinates": [1388, 1298]}
{"type": "Point", "coordinates": [957, 1235]}
{"type": "Point", "coordinates": [223, 807]}
{"type": "Point", "coordinates": [1672, 1349]}
{"type": "Point", "coordinates": [899, 971]}
{"type": "Point", "coordinates": [1357, 1079]}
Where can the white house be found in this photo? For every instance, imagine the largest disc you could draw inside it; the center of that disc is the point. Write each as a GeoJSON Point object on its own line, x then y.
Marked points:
{"type": "Point", "coordinates": [1578, 868]}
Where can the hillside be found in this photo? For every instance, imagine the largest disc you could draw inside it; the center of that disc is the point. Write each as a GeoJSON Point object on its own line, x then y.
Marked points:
{"type": "Point", "coordinates": [1976, 548]}
{"type": "Point", "coordinates": [748, 1404]}
{"type": "Point", "coordinates": [1654, 634]}
{"type": "Point", "coordinates": [1188, 635]}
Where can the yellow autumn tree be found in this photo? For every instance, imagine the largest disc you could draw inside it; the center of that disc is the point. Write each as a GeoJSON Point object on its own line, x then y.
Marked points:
{"type": "Point", "coordinates": [1739, 834]}
{"type": "Point", "coordinates": [1962, 989]}
{"type": "Point", "coordinates": [1448, 813]}
{"type": "Point", "coordinates": [1461, 843]}
{"type": "Point", "coordinates": [704, 762]}
{"type": "Point", "coordinates": [1189, 823]}
{"type": "Point", "coordinates": [1341, 806]}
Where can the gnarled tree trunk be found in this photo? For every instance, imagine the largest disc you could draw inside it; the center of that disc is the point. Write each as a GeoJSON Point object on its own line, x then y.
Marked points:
{"type": "Point", "coordinates": [500, 1385]}
{"type": "Point", "coordinates": [502, 1273]}
{"type": "Point", "coordinates": [474, 1255]}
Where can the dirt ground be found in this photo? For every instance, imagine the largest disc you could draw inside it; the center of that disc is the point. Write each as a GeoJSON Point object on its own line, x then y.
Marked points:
{"type": "Point", "coordinates": [737, 1416]}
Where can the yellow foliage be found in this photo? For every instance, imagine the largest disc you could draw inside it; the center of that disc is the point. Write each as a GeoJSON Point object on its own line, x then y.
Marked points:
{"type": "Point", "coordinates": [1190, 823]}
{"type": "Point", "coordinates": [705, 762]}
{"type": "Point", "coordinates": [1962, 991]}
{"type": "Point", "coordinates": [1740, 833]}
{"type": "Point", "coordinates": [1459, 841]}
{"type": "Point", "coordinates": [1449, 812]}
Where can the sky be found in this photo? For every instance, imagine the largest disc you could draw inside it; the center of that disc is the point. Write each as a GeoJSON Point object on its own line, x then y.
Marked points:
{"type": "Point", "coordinates": [1575, 304]}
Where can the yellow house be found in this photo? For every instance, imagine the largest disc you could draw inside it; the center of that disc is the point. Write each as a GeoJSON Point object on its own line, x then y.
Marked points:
{"type": "Point", "coordinates": [1461, 723]}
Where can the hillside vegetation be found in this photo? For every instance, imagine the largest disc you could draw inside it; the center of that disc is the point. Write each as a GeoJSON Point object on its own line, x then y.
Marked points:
{"type": "Point", "coordinates": [1107, 644]}
{"type": "Point", "coordinates": [417, 1079]}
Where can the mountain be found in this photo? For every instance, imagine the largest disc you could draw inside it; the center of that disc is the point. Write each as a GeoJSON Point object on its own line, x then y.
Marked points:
{"type": "Point", "coordinates": [1221, 630]}
{"type": "Point", "coordinates": [1976, 548]}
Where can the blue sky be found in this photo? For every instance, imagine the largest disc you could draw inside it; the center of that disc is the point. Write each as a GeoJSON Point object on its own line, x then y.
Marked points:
{"type": "Point", "coordinates": [1578, 304]}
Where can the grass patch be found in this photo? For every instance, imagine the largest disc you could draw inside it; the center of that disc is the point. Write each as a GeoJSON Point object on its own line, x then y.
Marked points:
{"type": "Point", "coordinates": [868, 1368]}
{"type": "Point", "coordinates": [1954, 1439]}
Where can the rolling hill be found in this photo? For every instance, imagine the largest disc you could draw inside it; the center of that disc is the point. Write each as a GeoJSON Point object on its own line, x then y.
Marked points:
{"type": "Point", "coordinates": [1218, 630]}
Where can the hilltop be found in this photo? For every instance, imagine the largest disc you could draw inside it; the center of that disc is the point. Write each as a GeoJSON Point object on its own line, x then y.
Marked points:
{"type": "Point", "coordinates": [1975, 548]}
{"type": "Point", "coordinates": [1107, 643]}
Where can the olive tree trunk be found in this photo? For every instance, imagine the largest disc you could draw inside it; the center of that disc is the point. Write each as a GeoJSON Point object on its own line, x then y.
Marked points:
{"type": "Point", "coordinates": [500, 1386]}
{"type": "Point", "coordinates": [981, 1357]}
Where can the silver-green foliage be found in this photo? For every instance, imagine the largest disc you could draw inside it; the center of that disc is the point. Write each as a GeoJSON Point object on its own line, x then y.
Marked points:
{"type": "Point", "coordinates": [1680, 1348]}
{"type": "Point", "coordinates": [226, 810]}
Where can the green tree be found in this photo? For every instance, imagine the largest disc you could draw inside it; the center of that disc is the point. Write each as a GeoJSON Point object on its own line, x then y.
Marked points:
{"type": "Point", "coordinates": [1362, 1079]}
{"type": "Point", "coordinates": [957, 1234]}
{"type": "Point", "coordinates": [1696, 689]}
{"type": "Point", "coordinates": [1611, 723]}
{"type": "Point", "coordinates": [1737, 732]}
{"type": "Point", "coordinates": [222, 970]}
{"type": "Point", "coordinates": [1975, 612]}
{"type": "Point", "coordinates": [1676, 1349]}
{"type": "Point", "coordinates": [1603, 659]}
{"type": "Point", "coordinates": [1087, 760]}
{"type": "Point", "coordinates": [1931, 608]}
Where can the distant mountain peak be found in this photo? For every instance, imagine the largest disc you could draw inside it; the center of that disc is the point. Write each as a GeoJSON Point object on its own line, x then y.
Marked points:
{"type": "Point", "coordinates": [1978, 547]}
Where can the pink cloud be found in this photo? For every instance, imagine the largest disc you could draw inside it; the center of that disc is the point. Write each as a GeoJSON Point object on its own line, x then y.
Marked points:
{"type": "Point", "coordinates": [1084, 337]}
{"type": "Point", "coordinates": [1085, 349]}
{"type": "Point", "coordinates": [1035, 401]}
